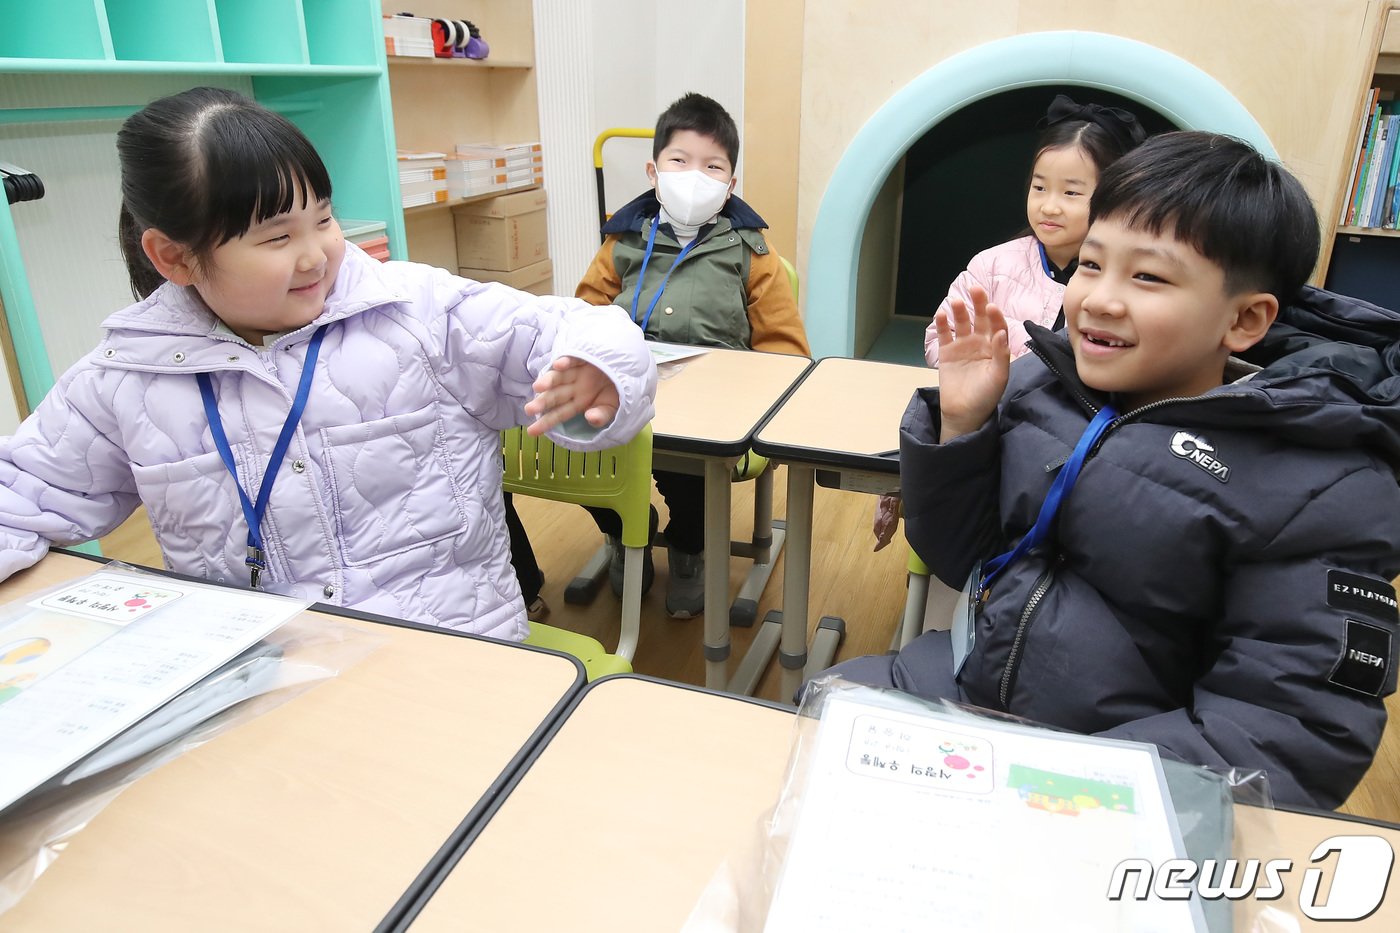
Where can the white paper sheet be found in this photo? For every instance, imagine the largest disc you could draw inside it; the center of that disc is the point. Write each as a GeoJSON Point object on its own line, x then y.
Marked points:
{"type": "Point", "coordinates": [916, 821]}
{"type": "Point", "coordinates": [82, 663]}
{"type": "Point", "coordinates": [664, 353]}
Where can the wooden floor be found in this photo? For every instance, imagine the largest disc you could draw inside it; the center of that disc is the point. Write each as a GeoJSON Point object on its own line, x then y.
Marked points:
{"type": "Point", "coordinates": [864, 588]}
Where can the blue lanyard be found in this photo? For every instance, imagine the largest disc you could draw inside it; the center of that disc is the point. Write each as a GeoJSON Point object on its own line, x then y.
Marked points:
{"type": "Point", "coordinates": [1045, 260]}
{"type": "Point", "coordinates": [1059, 490]}
{"type": "Point", "coordinates": [641, 279]}
{"type": "Point", "coordinates": [253, 512]}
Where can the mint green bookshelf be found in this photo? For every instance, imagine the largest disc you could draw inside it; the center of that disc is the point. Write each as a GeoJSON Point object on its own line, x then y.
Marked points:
{"type": "Point", "coordinates": [319, 62]}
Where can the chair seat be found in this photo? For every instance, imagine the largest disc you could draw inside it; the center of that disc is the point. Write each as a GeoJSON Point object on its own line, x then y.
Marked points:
{"type": "Point", "coordinates": [596, 660]}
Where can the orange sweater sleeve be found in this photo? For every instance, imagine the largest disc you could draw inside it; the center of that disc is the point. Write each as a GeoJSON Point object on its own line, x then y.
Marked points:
{"type": "Point", "coordinates": [600, 284]}
{"type": "Point", "coordinates": [773, 319]}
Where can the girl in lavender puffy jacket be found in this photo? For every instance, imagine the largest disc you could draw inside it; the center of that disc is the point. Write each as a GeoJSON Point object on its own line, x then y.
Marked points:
{"type": "Point", "coordinates": [1026, 277]}
{"type": "Point", "coordinates": [293, 414]}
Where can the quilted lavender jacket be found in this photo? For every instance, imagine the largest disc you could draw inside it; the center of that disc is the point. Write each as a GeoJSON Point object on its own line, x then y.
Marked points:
{"type": "Point", "coordinates": [1015, 281]}
{"type": "Point", "coordinates": [389, 498]}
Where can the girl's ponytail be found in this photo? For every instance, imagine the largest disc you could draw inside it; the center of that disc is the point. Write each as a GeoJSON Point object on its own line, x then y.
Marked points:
{"type": "Point", "coordinates": [144, 277]}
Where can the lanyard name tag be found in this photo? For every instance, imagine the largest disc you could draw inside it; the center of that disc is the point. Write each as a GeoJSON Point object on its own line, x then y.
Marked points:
{"type": "Point", "coordinates": [964, 627]}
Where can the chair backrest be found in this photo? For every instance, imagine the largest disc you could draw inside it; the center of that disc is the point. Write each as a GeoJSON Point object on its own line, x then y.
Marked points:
{"type": "Point", "coordinates": [792, 276]}
{"type": "Point", "coordinates": [618, 478]}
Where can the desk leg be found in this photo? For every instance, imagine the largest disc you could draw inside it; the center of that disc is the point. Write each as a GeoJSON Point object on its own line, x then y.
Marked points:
{"type": "Point", "coordinates": [792, 653]}
{"type": "Point", "coordinates": [766, 545]}
{"type": "Point", "coordinates": [717, 499]}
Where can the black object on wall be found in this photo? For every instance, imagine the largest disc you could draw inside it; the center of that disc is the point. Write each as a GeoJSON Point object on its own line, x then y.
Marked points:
{"type": "Point", "coordinates": [965, 185]}
{"type": "Point", "coordinates": [20, 184]}
{"type": "Point", "coordinates": [1366, 267]}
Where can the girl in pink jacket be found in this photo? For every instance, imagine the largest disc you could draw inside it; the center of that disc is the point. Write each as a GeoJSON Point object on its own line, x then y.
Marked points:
{"type": "Point", "coordinates": [1026, 277]}
{"type": "Point", "coordinates": [293, 414]}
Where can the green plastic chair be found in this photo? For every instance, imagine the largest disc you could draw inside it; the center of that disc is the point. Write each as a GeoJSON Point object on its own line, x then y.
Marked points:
{"type": "Point", "coordinates": [911, 625]}
{"type": "Point", "coordinates": [619, 479]}
{"type": "Point", "coordinates": [596, 660]}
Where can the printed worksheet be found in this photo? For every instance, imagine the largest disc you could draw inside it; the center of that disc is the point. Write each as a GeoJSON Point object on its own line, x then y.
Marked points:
{"type": "Point", "coordinates": [84, 661]}
{"type": "Point", "coordinates": [913, 820]}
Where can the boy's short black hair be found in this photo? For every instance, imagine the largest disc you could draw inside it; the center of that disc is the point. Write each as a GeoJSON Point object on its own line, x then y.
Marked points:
{"type": "Point", "coordinates": [699, 114]}
{"type": "Point", "coordinates": [1243, 212]}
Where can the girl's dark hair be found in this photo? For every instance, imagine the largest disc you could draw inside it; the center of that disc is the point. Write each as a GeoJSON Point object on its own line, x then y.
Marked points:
{"type": "Point", "coordinates": [1219, 195]}
{"type": "Point", "coordinates": [1104, 133]}
{"type": "Point", "coordinates": [203, 166]}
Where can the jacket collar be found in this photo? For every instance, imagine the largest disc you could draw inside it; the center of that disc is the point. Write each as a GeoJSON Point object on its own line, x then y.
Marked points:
{"type": "Point", "coordinates": [141, 334]}
{"type": "Point", "coordinates": [1330, 377]}
{"type": "Point", "coordinates": [631, 216]}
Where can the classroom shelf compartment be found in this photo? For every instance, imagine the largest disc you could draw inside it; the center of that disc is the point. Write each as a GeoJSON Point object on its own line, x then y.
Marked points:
{"type": "Point", "coordinates": [262, 31]}
{"type": "Point", "coordinates": [336, 35]}
{"type": "Point", "coordinates": [163, 30]}
{"type": "Point", "coordinates": [70, 29]}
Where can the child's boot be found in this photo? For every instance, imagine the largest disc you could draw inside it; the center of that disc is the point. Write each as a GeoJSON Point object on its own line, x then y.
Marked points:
{"type": "Point", "coordinates": [685, 589]}
{"type": "Point", "coordinates": [617, 566]}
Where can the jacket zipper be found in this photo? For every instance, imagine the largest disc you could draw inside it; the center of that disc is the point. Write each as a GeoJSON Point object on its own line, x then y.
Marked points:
{"type": "Point", "coordinates": [1137, 413]}
{"type": "Point", "coordinates": [1012, 660]}
{"type": "Point", "coordinates": [1084, 400]}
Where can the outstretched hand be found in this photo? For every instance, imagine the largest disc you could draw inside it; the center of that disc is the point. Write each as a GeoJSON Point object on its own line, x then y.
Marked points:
{"type": "Point", "coordinates": [570, 387]}
{"type": "Point", "coordinates": [973, 363]}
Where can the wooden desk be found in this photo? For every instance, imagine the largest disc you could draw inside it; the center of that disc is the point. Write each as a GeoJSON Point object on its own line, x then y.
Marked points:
{"type": "Point", "coordinates": [707, 408]}
{"type": "Point", "coordinates": [842, 419]}
{"type": "Point", "coordinates": [643, 790]}
{"type": "Point", "coordinates": [318, 815]}
{"type": "Point", "coordinates": [619, 822]}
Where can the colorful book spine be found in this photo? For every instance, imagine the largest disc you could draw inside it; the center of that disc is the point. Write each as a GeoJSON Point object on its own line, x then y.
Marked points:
{"type": "Point", "coordinates": [1384, 216]}
{"type": "Point", "coordinates": [1381, 172]}
{"type": "Point", "coordinates": [1354, 211]}
{"type": "Point", "coordinates": [1364, 123]}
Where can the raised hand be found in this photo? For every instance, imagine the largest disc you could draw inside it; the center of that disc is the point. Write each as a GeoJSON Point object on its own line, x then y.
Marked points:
{"type": "Point", "coordinates": [565, 389]}
{"type": "Point", "coordinates": [973, 363]}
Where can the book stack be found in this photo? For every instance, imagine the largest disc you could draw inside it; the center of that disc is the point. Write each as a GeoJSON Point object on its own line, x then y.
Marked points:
{"type": "Point", "coordinates": [510, 166]}
{"type": "Point", "coordinates": [422, 178]}
{"type": "Point", "coordinates": [1372, 196]}
{"type": "Point", "coordinates": [368, 235]}
{"type": "Point", "coordinates": [469, 177]}
{"type": "Point", "coordinates": [408, 35]}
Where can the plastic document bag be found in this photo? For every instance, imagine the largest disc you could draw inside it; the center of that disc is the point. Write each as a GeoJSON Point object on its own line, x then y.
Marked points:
{"type": "Point", "coordinates": [86, 661]}
{"type": "Point", "coordinates": [909, 819]}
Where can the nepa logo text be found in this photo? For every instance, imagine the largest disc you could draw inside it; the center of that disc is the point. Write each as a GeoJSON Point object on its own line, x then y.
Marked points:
{"type": "Point", "coordinates": [1198, 450]}
{"type": "Point", "coordinates": [1361, 657]}
{"type": "Point", "coordinates": [1359, 879]}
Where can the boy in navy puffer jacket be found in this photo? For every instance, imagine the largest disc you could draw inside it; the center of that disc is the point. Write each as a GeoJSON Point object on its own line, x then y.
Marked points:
{"type": "Point", "coordinates": [1215, 580]}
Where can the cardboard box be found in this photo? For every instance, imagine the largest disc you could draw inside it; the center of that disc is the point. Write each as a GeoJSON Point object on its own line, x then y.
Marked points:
{"type": "Point", "coordinates": [503, 233]}
{"type": "Point", "coordinates": [537, 278]}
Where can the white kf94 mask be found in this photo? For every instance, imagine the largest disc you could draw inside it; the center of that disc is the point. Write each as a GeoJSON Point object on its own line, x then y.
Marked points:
{"type": "Point", "coordinates": [691, 197]}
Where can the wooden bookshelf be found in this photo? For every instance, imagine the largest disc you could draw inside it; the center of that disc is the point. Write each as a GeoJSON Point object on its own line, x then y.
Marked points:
{"type": "Point", "coordinates": [1355, 259]}
{"type": "Point", "coordinates": [441, 102]}
{"type": "Point", "coordinates": [458, 202]}
{"type": "Point", "coordinates": [420, 61]}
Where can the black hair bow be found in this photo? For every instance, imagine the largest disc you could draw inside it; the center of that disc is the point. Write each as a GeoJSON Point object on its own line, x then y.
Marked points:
{"type": "Point", "coordinates": [1117, 122]}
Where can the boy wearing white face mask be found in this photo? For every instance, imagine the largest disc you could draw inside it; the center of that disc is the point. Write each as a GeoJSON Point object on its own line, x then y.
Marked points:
{"type": "Point", "coordinates": [689, 261]}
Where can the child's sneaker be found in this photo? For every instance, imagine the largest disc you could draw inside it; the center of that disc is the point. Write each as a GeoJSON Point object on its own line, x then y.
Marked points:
{"type": "Point", "coordinates": [617, 566]}
{"type": "Point", "coordinates": [685, 590]}
{"type": "Point", "coordinates": [537, 610]}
